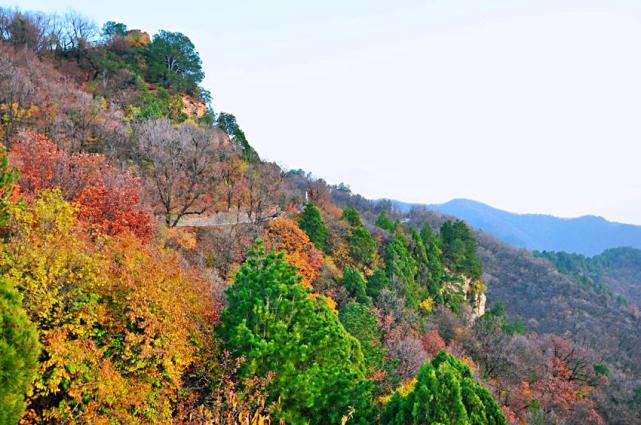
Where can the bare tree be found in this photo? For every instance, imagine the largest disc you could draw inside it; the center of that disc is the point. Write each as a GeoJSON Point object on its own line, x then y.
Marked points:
{"type": "Point", "coordinates": [16, 95]}
{"type": "Point", "coordinates": [182, 165]}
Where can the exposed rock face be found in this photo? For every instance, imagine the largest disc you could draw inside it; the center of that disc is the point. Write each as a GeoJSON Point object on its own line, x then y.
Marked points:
{"type": "Point", "coordinates": [474, 292]}
{"type": "Point", "coordinates": [193, 107]}
{"type": "Point", "coordinates": [138, 38]}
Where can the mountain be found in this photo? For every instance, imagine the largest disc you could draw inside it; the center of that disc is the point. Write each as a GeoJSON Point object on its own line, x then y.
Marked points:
{"type": "Point", "coordinates": [587, 235]}
{"type": "Point", "coordinates": [616, 270]}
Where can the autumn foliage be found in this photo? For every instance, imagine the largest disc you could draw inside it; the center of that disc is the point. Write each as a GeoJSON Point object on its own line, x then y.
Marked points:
{"type": "Point", "coordinates": [109, 198]}
{"type": "Point", "coordinates": [284, 234]}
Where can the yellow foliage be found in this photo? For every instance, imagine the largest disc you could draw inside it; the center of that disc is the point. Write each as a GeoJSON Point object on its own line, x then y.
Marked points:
{"type": "Point", "coordinates": [477, 287]}
{"type": "Point", "coordinates": [427, 304]}
{"type": "Point", "coordinates": [403, 390]}
{"type": "Point", "coordinates": [119, 321]}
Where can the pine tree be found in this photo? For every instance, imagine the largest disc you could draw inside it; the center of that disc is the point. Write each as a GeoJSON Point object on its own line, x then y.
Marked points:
{"type": "Point", "coordinates": [444, 393]}
{"type": "Point", "coordinates": [384, 222]}
{"type": "Point", "coordinates": [19, 350]}
{"type": "Point", "coordinates": [355, 284]}
{"type": "Point", "coordinates": [278, 326]}
{"type": "Point", "coordinates": [311, 222]}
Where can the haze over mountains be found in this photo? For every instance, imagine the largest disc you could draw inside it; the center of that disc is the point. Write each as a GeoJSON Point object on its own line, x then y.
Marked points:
{"type": "Point", "coordinates": [587, 235]}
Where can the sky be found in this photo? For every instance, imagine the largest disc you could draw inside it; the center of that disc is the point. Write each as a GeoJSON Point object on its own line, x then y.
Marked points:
{"type": "Point", "coordinates": [533, 106]}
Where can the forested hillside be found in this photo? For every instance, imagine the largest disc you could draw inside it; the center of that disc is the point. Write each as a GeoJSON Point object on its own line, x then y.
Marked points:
{"type": "Point", "coordinates": [587, 235]}
{"type": "Point", "coordinates": [155, 270]}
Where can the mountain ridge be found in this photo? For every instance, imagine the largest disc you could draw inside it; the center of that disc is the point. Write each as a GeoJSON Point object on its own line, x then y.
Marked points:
{"type": "Point", "coordinates": [587, 235]}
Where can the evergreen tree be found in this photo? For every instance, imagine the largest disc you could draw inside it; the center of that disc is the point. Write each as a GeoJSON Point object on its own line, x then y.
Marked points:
{"type": "Point", "coordinates": [274, 323]}
{"type": "Point", "coordinates": [362, 247]}
{"type": "Point", "coordinates": [376, 282]}
{"type": "Point", "coordinates": [435, 266]}
{"type": "Point", "coordinates": [8, 177]}
{"type": "Point", "coordinates": [352, 217]}
{"type": "Point", "coordinates": [355, 284]}
{"type": "Point", "coordinates": [174, 62]}
{"type": "Point", "coordinates": [444, 393]}
{"type": "Point", "coordinates": [19, 350]}
{"type": "Point", "coordinates": [360, 321]}
{"type": "Point", "coordinates": [311, 222]}
{"type": "Point", "coordinates": [384, 222]}
{"type": "Point", "coordinates": [402, 269]}
{"type": "Point", "coordinates": [459, 249]}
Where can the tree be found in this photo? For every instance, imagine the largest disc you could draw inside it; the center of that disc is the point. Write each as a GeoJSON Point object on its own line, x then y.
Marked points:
{"type": "Point", "coordinates": [17, 96]}
{"type": "Point", "coordinates": [445, 393]}
{"type": "Point", "coordinates": [402, 269]}
{"type": "Point", "coordinates": [352, 217]}
{"type": "Point", "coordinates": [8, 179]}
{"type": "Point", "coordinates": [109, 198]}
{"type": "Point", "coordinates": [355, 284]}
{"type": "Point", "coordinates": [119, 321]}
{"type": "Point", "coordinates": [433, 250]}
{"type": "Point", "coordinates": [227, 122]}
{"type": "Point", "coordinates": [174, 62]}
{"type": "Point", "coordinates": [384, 222]}
{"type": "Point", "coordinates": [360, 321]}
{"type": "Point", "coordinates": [111, 30]}
{"type": "Point", "coordinates": [277, 326]}
{"type": "Point", "coordinates": [459, 249]}
{"type": "Point", "coordinates": [311, 222]}
{"type": "Point", "coordinates": [284, 235]}
{"type": "Point", "coordinates": [376, 282]}
{"type": "Point", "coordinates": [19, 350]}
{"type": "Point", "coordinates": [181, 164]}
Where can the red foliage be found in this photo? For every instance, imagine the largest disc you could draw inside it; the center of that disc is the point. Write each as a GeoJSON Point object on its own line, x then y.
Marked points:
{"type": "Point", "coordinates": [108, 198]}
{"type": "Point", "coordinates": [432, 343]}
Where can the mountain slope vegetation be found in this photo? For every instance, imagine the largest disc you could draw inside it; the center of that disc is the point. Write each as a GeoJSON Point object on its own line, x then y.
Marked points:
{"type": "Point", "coordinates": [158, 271]}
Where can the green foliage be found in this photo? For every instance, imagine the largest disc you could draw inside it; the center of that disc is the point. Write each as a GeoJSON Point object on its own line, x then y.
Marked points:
{"type": "Point", "coordinates": [432, 245]}
{"type": "Point", "coordinates": [352, 217]}
{"type": "Point", "coordinates": [173, 62]}
{"type": "Point", "coordinates": [311, 222]}
{"type": "Point", "coordinates": [384, 222]}
{"type": "Point", "coordinates": [360, 321]}
{"type": "Point", "coordinates": [113, 29]}
{"type": "Point", "coordinates": [19, 350]}
{"type": "Point", "coordinates": [495, 321]}
{"type": "Point", "coordinates": [376, 282]}
{"type": "Point", "coordinates": [355, 284]}
{"type": "Point", "coordinates": [228, 123]}
{"type": "Point", "coordinates": [401, 268]}
{"type": "Point", "coordinates": [362, 247]}
{"type": "Point", "coordinates": [602, 369]}
{"type": "Point", "coordinates": [459, 249]}
{"type": "Point", "coordinates": [8, 177]}
{"type": "Point", "coordinates": [444, 393]}
{"type": "Point", "coordinates": [273, 322]}
{"type": "Point", "coordinates": [159, 104]}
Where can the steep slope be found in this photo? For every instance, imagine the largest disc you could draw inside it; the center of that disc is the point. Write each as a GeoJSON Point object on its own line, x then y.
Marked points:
{"type": "Point", "coordinates": [617, 270]}
{"type": "Point", "coordinates": [549, 301]}
{"type": "Point", "coordinates": [587, 235]}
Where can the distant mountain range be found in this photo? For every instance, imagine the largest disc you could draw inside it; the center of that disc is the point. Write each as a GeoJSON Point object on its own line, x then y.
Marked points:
{"type": "Point", "coordinates": [587, 235]}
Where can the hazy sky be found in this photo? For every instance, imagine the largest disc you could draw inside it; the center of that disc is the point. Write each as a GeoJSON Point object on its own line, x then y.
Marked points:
{"type": "Point", "coordinates": [530, 106]}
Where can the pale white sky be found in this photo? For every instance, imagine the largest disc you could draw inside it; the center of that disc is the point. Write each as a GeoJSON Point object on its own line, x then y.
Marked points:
{"type": "Point", "coordinates": [527, 105]}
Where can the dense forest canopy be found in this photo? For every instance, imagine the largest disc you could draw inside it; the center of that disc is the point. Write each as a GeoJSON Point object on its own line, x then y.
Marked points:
{"type": "Point", "coordinates": [156, 270]}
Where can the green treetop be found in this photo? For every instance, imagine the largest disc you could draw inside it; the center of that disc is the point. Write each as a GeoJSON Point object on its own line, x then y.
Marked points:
{"type": "Point", "coordinates": [19, 351]}
{"type": "Point", "coordinates": [311, 222]}
{"type": "Point", "coordinates": [274, 323]}
{"type": "Point", "coordinates": [444, 393]}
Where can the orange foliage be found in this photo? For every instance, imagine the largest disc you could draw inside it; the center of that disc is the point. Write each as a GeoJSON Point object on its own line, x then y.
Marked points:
{"type": "Point", "coordinates": [432, 343]}
{"type": "Point", "coordinates": [108, 198]}
{"type": "Point", "coordinates": [284, 234]}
